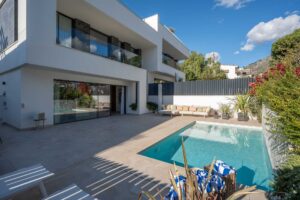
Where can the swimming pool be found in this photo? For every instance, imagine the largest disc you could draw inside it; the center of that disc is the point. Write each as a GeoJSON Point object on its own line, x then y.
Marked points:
{"type": "Point", "coordinates": [239, 146]}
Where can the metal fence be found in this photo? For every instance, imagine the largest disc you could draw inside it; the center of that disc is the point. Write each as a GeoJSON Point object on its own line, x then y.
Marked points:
{"type": "Point", "coordinates": [203, 87]}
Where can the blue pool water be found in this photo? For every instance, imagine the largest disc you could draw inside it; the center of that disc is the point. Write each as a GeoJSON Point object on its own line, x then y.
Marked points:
{"type": "Point", "coordinates": [241, 147]}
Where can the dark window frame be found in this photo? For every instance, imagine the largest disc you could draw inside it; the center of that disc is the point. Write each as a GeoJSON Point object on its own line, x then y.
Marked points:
{"type": "Point", "coordinates": [57, 28]}
{"type": "Point", "coordinates": [105, 35]}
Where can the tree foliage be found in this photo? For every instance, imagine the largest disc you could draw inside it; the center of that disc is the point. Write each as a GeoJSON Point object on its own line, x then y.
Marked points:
{"type": "Point", "coordinates": [286, 45]}
{"type": "Point", "coordinates": [197, 68]}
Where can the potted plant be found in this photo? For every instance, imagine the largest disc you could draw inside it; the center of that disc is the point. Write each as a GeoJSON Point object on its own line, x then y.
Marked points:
{"type": "Point", "coordinates": [225, 110]}
{"type": "Point", "coordinates": [152, 106]}
{"type": "Point", "coordinates": [133, 106]}
{"type": "Point", "coordinates": [241, 106]}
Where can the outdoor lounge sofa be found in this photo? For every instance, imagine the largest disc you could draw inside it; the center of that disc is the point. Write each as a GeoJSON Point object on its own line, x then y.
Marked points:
{"type": "Point", "coordinates": [169, 110]}
{"type": "Point", "coordinates": [185, 110]}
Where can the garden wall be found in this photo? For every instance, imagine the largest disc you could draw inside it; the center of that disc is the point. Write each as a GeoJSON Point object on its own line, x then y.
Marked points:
{"type": "Point", "coordinates": [276, 149]}
{"type": "Point", "coordinates": [210, 93]}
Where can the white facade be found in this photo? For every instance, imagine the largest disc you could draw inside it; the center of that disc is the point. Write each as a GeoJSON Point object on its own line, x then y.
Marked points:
{"type": "Point", "coordinates": [231, 71]}
{"type": "Point", "coordinates": [29, 67]}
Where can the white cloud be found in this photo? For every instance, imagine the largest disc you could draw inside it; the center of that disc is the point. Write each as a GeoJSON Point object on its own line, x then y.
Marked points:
{"type": "Point", "coordinates": [271, 30]}
{"type": "Point", "coordinates": [291, 12]}
{"type": "Point", "coordinates": [236, 4]}
{"type": "Point", "coordinates": [248, 47]}
{"type": "Point", "coordinates": [215, 56]}
{"type": "Point", "coordinates": [236, 52]}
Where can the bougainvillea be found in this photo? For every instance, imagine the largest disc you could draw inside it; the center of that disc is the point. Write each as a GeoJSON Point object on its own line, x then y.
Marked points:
{"type": "Point", "coordinates": [279, 89]}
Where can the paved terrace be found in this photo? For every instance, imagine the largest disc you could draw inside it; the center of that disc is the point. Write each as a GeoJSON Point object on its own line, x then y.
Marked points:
{"type": "Point", "coordinates": [99, 155]}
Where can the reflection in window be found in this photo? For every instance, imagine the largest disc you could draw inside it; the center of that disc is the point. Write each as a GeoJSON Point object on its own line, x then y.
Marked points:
{"type": "Point", "coordinates": [64, 31]}
{"type": "Point", "coordinates": [99, 44]}
{"type": "Point", "coordinates": [75, 101]}
{"type": "Point", "coordinates": [81, 34]}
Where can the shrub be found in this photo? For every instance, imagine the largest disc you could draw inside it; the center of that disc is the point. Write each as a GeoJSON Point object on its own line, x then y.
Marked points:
{"type": "Point", "coordinates": [286, 182]}
{"type": "Point", "coordinates": [152, 106]}
{"type": "Point", "coordinates": [279, 90]}
{"type": "Point", "coordinates": [225, 109]}
{"type": "Point", "coordinates": [241, 104]}
{"type": "Point", "coordinates": [133, 106]}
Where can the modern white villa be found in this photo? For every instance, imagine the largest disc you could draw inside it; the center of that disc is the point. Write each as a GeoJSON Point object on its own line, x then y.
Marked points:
{"type": "Point", "coordinates": [80, 59]}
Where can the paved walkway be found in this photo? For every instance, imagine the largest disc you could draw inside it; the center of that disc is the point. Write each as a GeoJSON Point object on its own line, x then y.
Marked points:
{"type": "Point", "coordinates": [98, 155]}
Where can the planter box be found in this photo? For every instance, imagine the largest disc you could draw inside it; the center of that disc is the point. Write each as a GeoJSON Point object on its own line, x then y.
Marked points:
{"type": "Point", "coordinates": [243, 117]}
{"type": "Point", "coordinates": [225, 116]}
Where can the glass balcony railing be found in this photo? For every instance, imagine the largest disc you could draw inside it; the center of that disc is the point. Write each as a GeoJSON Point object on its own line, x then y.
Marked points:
{"type": "Point", "coordinates": [84, 38]}
{"type": "Point", "coordinates": [169, 61]}
{"type": "Point", "coordinates": [116, 53]}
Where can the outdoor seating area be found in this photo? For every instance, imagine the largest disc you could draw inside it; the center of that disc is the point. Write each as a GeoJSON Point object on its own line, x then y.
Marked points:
{"type": "Point", "coordinates": [174, 110]}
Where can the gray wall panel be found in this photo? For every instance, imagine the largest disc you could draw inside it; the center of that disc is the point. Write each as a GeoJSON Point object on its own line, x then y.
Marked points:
{"type": "Point", "coordinates": [205, 87]}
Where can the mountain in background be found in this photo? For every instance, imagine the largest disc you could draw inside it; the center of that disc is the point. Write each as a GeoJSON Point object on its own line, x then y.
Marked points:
{"type": "Point", "coordinates": [259, 66]}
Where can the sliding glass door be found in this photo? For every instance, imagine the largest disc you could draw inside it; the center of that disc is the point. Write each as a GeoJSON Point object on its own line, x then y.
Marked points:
{"type": "Point", "coordinates": [75, 101]}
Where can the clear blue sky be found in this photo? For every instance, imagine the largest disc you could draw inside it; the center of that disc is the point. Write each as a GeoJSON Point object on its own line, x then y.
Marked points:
{"type": "Point", "coordinates": [222, 25]}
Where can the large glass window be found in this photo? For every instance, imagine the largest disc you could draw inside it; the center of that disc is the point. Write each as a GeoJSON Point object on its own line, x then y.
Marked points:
{"type": "Point", "coordinates": [77, 34]}
{"type": "Point", "coordinates": [8, 23]}
{"type": "Point", "coordinates": [64, 31]}
{"type": "Point", "coordinates": [81, 35]}
{"type": "Point", "coordinates": [99, 43]}
{"type": "Point", "coordinates": [75, 101]}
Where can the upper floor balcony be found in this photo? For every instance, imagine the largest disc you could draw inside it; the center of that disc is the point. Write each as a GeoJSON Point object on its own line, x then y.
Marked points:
{"type": "Point", "coordinates": [170, 61]}
{"type": "Point", "coordinates": [74, 33]}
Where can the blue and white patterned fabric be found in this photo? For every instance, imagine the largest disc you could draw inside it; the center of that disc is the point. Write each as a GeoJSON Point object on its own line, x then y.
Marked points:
{"type": "Point", "coordinates": [172, 195]}
{"type": "Point", "coordinates": [201, 175]}
{"type": "Point", "coordinates": [222, 169]}
{"type": "Point", "coordinates": [216, 184]}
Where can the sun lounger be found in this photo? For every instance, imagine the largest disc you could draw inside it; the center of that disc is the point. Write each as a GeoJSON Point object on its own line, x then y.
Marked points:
{"type": "Point", "coordinates": [73, 192]}
{"type": "Point", "coordinates": [24, 179]}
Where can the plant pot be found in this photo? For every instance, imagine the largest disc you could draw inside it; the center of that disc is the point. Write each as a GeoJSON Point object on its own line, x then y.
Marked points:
{"type": "Point", "coordinates": [243, 116]}
{"type": "Point", "coordinates": [225, 116]}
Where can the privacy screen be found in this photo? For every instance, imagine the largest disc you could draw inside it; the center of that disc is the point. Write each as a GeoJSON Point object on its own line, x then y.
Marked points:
{"type": "Point", "coordinates": [8, 23]}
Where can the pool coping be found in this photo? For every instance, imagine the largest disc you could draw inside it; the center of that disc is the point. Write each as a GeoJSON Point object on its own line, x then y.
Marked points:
{"type": "Point", "coordinates": [230, 125]}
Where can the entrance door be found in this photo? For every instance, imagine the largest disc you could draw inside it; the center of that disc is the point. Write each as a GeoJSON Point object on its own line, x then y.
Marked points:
{"type": "Point", "coordinates": [117, 99]}
{"type": "Point", "coordinates": [113, 98]}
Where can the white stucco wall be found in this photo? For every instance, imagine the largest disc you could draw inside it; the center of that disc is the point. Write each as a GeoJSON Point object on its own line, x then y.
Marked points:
{"type": "Point", "coordinates": [12, 111]}
{"type": "Point", "coordinates": [212, 101]}
{"type": "Point", "coordinates": [231, 71]}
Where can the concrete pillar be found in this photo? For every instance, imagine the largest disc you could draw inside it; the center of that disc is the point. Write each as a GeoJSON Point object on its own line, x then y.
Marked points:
{"type": "Point", "coordinates": [122, 109]}
{"type": "Point", "coordinates": [159, 96]}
